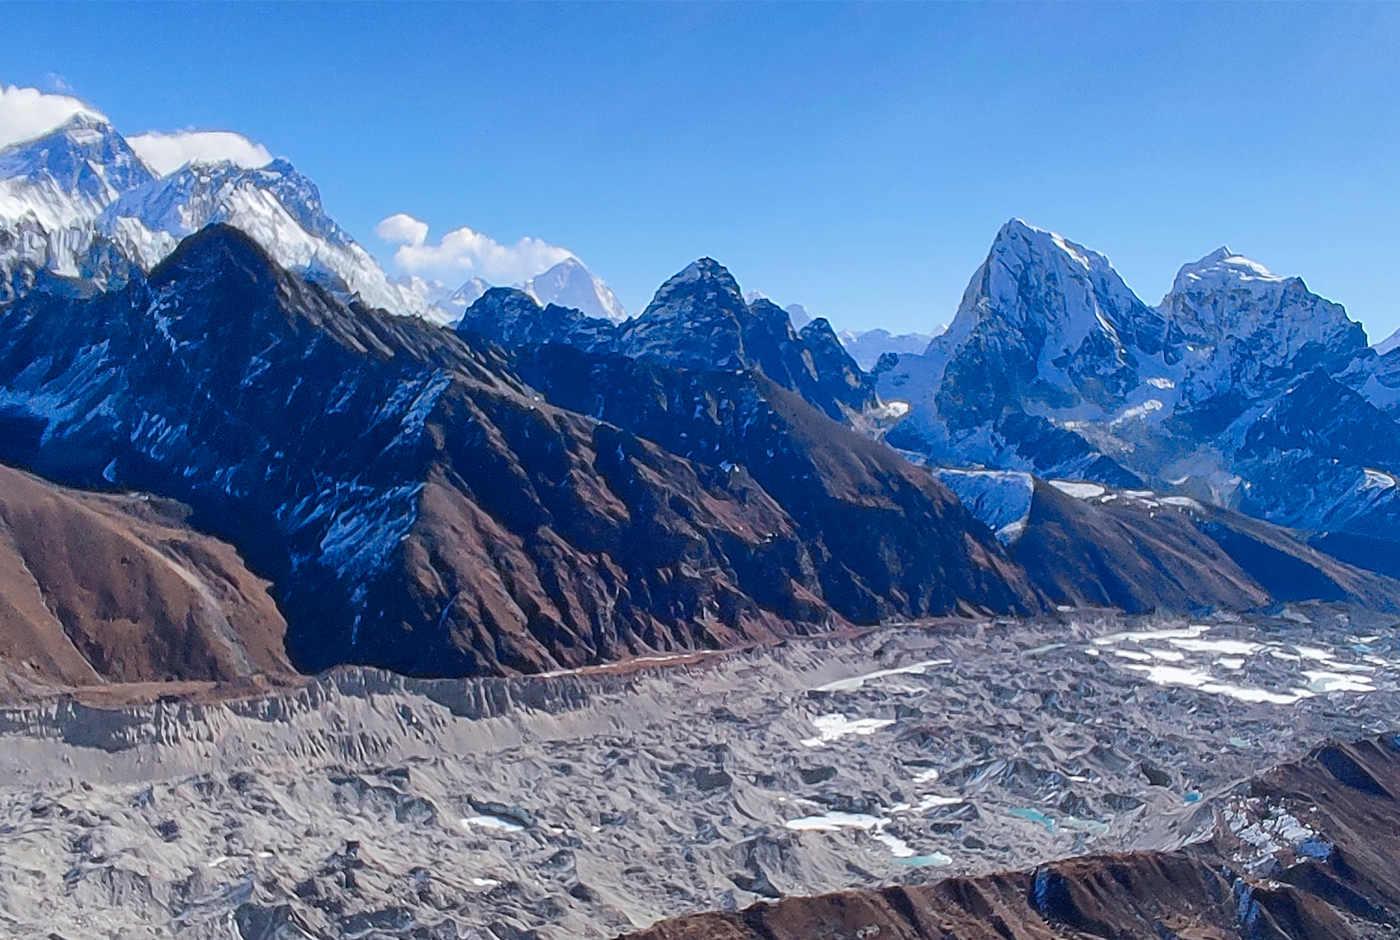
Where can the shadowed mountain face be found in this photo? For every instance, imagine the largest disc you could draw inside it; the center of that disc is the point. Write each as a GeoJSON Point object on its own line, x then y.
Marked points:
{"type": "Point", "coordinates": [885, 537]}
{"type": "Point", "coordinates": [106, 589]}
{"type": "Point", "coordinates": [698, 321]}
{"type": "Point", "coordinates": [419, 506]}
{"type": "Point", "coordinates": [1083, 544]}
{"type": "Point", "coordinates": [1336, 879]}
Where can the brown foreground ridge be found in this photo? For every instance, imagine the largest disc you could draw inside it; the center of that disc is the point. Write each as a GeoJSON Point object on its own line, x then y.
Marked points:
{"type": "Point", "coordinates": [1308, 851]}
{"type": "Point", "coordinates": [99, 589]}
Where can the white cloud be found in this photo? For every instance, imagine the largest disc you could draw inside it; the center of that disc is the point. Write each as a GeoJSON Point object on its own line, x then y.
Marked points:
{"type": "Point", "coordinates": [402, 229]}
{"type": "Point", "coordinates": [166, 153]}
{"type": "Point", "coordinates": [464, 252]}
{"type": "Point", "coordinates": [26, 113]}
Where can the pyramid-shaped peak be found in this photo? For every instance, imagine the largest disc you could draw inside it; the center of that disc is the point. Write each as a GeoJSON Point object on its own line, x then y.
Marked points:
{"type": "Point", "coordinates": [217, 251]}
{"type": "Point", "coordinates": [80, 130]}
{"type": "Point", "coordinates": [83, 155]}
{"type": "Point", "coordinates": [704, 281]}
{"type": "Point", "coordinates": [82, 120]}
{"type": "Point", "coordinates": [706, 269]}
{"type": "Point", "coordinates": [1039, 245]}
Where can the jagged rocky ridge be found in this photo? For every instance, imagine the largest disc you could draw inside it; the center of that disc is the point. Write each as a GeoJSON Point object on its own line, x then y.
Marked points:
{"type": "Point", "coordinates": [1338, 881]}
{"type": "Point", "coordinates": [1241, 388]}
{"type": "Point", "coordinates": [698, 320]}
{"type": "Point", "coordinates": [417, 505]}
{"type": "Point", "coordinates": [1126, 549]}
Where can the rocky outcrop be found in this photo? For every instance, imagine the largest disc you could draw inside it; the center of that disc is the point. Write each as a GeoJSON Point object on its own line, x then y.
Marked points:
{"type": "Point", "coordinates": [512, 317]}
{"type": "Point", "coordinates": [98, 589]}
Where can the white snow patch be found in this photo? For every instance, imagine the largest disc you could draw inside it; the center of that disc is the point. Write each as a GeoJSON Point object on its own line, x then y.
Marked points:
{"type": "Point", "coordinates": [855, 682]}
{"type": "Point", "coordinates": [836, 820]}
{"type": "Point", "coordinates": [1078, 490]}
{"type": "Point", "coordinates": [1225, 647]}
{"type": "Point", "coordinates": [1140, 636]}
{"type": "Point", "coordinates": [1324, 682]}
{"type": "Point", "coordinates": [834, 726]}
{"type": "Point", "coordinates": [1202, 680]}
{"type": "Point", "coordinates": [492, 822]}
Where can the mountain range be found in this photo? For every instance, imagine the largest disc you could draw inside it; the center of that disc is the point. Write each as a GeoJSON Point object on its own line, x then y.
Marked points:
{"type": "Point", "coordinates": [79, 202]}
{"type": "Point", "coordinates": [1241, 388]}
{"type": "Point", "coordinates": [550, 484]}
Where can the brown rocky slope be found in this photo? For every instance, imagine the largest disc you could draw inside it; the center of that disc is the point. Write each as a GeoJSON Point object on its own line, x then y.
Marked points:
{"type": "Point", "coordinates": [98, 589]}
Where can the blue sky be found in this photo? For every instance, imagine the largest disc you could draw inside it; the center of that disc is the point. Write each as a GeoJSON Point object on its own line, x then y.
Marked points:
{"type": "Point", "coordinates": [854, 158]}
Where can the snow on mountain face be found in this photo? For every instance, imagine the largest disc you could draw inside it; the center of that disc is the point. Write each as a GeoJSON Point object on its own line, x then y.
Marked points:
{"type": "Point", "coordinates": [570, 284]}
{"type": "Point", "coordinates": [468, 294]}
{"type": "Point", "coordinates": [1245, 327]}
{"type": "Point", "coordinates": [83, 184]}
{"type": "Point", "coordinates": [1061, 292]}
{"type": "Point", "coordinates": [1055, 320]}
{"type": "Point", "coordinates": [52, 187]}
{"type": "Point", "coordinates": [999, 499]}
{"type": "Point", "coordinates": [84, 163]}
{"type": "Point", "coordinates": [276, 205]}
{"type": "Point", "coordinates": [1386, 345]}
{"type": "Point", "coordinates": [1047, 337]}
{"type": "Point", "coordinates": [1241, 387]}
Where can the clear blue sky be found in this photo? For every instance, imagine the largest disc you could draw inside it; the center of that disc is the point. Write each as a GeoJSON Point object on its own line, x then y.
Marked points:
{"type": "Point", "coordinates": [855, 158]}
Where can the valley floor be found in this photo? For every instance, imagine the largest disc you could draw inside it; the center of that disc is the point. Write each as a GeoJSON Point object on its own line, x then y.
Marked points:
{"type": "Point", "coordinates": [588, 806]}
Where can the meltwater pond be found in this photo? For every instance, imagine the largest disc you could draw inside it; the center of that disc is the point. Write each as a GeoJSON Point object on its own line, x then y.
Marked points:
{"type": "Point", "coordinates": [586, 806]}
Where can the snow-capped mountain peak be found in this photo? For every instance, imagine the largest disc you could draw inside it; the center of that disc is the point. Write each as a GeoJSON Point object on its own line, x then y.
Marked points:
{"type": "Point", "coordinates": [1020, 237]}
{"type": "Point", "coordinates": [1222, 269]}
{"type": "Point", "coordinates": [1256, 317]}
{"type": "Point", "coordinates": [1053, 300]}
{"type": "Point", "coordinates": [68, 173]}
{"type": "Point", "coordinates": [468, 294]}
{"type": "Point", "coordinates": [570, 284]}
{"type": "Point", "coordinates": [71, 196]}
